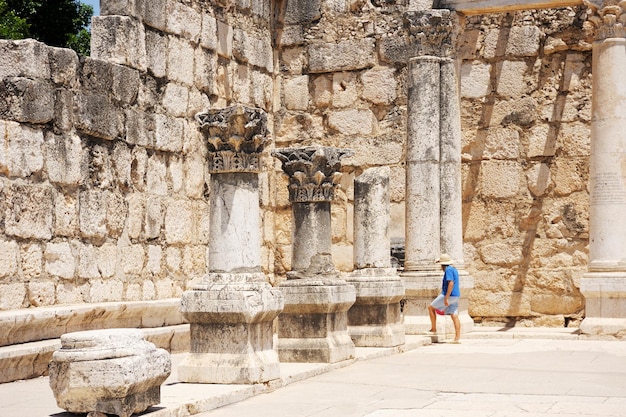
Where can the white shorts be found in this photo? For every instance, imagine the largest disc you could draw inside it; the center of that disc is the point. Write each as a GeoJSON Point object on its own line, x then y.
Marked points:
{"type": "Point", "coordinates": [453, 304]}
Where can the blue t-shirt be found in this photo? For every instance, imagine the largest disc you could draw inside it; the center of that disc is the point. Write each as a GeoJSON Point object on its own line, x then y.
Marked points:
{"type": "Point", "coordinates": [451, 274]}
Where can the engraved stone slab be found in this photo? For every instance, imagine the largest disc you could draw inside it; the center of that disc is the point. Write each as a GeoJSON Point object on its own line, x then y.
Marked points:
{"type": "Point", "coordinates": [113, 371]}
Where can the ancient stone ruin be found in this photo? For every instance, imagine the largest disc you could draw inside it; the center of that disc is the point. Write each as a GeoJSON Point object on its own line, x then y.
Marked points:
{"type": "Point", "coordinates": [137, 177]}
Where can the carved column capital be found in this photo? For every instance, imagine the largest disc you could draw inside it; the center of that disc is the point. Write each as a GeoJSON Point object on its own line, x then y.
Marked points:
{"type": "Point", "coordinates": [434, 32]}
{"type": "Point", "coordinates": [606, 19]}
{"type": "Point", "coordinates": [236, 136]}
{"type": "Point", "coordinates": [314, 172]}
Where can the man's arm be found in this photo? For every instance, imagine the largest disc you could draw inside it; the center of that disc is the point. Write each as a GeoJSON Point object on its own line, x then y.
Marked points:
{"type": "Point", "coordinates": [450, 288]}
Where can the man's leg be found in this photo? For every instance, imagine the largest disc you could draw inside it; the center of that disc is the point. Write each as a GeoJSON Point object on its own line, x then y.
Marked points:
{"type": "Point", "coordinates": [457, 327]}
{"type": "Point", "coordinates": [433, 319]}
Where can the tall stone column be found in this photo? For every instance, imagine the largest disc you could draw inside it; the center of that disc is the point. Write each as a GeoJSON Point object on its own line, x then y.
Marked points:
{"type": "Point", "coordinates": [604, 285]}
{"type": "Point", "coordinates": [231, 311]}
{"type": "Point", "coordinates": [313, 326]}
{"type": "Point", "coordinates": [433, 169]}
{"type": "Point", "coordinates": [374, 319]}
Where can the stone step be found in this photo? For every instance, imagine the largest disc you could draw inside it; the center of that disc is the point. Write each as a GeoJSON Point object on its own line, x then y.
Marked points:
{"type": "Point", "coordinates": [30, 360]}
{"type": "Point", "coordinates": [43, 323]}
{"type": "Point", "coordinates": [494, 332]}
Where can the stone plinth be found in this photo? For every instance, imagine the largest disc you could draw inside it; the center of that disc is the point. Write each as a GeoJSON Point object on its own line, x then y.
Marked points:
{"type": "Point", "coordinates": [230, 318]}
{"type": "Point", "coordinates": [604, 285]}
{"type": "Point", "coordinates": [314, 325]}
{"type": "Point", "coordinates": [231, 311]}
{"type": "Point", "coordinates": [374, 319]}
{"type": "Point", "coordinates": [112, 371]}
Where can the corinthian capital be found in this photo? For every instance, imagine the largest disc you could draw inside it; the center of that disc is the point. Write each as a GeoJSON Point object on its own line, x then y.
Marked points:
{"type": "Point", "coordinates": [313, 171]}
{"type": "Point", "coordinates": [434, 31]}
{"type": "Point", "coordinates": [606, 19]}
{"type": "Point", "coordinates": [235, 136]}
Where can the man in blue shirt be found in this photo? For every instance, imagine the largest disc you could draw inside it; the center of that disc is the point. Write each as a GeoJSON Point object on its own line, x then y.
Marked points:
{"type": "Point", "coordinates": [448, 301]}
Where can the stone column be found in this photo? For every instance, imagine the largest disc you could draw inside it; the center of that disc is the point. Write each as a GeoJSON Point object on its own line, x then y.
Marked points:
{"type": "Point", "coordinates": [374, 319]}
{"type": "Point", "coordinates": [313, 326]}
{"type": "Point", "coordinates": [604, 285]}
{"type": "Point", "coordinates": [433, 169]}
{"type": "Point", "coordinates": [231, 311]}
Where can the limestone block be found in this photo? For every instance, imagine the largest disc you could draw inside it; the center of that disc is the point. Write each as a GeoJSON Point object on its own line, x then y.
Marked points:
{"type": "Point", "coordinates": [538, 178]}
{"type": "Point", "coordinates": [41, 294]}
{"type": "Point", "coordinates": [184, 21]}
{"type": "Point", "coordinates": [8, 258]}
{"type": "Point", "coordinates": [180, 57]}
{"type": "Point", "coordinates": [297, 93]}
{"type": "Point", "coordinates": [119, 7]}
{"type": "Point", "coordinates": [224, 40]}
{"type": "Point", "coordinates": [21, 153]}
{"type": "Point", "coordinates": [24, 58]}
{"type": "Point", "coordinates": [31, 261]}
{"type": "Point", "coordinates": [241, 88]}
{"type": "Point", "coordinates": [131, 258]}
{"type": "Point", "coordinates": [156, 175]}
{"type": "Point", "coordinates": [153, 220]}
{"type": "Point", "coordinates": [302, 11]}
{"type": "Point", "coordinates": [27, 100]}
{"type": "Point", "coordinates": [352, 122]}
{"type": "Point", "coordinates": [541, 141]}
{"type": "Point", "coordinates": [208, 34]}
{"type": "Point", "coordinates": [574, 139]}
{"type": "Point", "coordinates": [475, 79]}
{"type": "Point", "coordinates": [66, 161]}
{"type": "Point", "coordinates": [93, 214]}
{"type": "Point", "coordinates": [322, 91]}
{"type": "Point", "coordinates": [205, 71]}
{"type": "Point", "coordinates": [63, 110]}
{"type": "Point", "coordinates": [569, 175]}
{"type": "Point", "coordinates": [501, 254]}
{"type": "Point", "coordinates": [500, 179]}
{"type": "Point", "coordinates": [468, 44]}
{"type": "Point", "coordinates": [139, 131]}
{"type": "Point", "coordinates": [97, 116]}
{"type": "Point", "coordinates": [87, 261]}
{"type": "Point", "coordinates": [256, 52]}
{"type": "Point", "coordinates": [168, 133]}
{"type": "Point", "coordinates": [12, 296]}
{"type": "Point", "coordinates": [194, 169]}
{"type": "Point", "coordinates": [373, 151]}
{"type": "Point", "coordinates": [28, 210]}
{"type": "Point", "coordinates": [155, 255]}
{"type": "Point", "coordinates": [173, 259]}
{"type": "Point", "coordinates": [293, 60]}
{"type": "Point", "coordinates": [111, 371]}
{"type": "Point", "coordinates": [119, 39]}
{"type": "Point", "coordinates": [103, 291]}
{"type": "Point", "coordinates": [487, 303]}
{"type": "Point", "coordinates": [513, 80]}
{"type": "Point", "coordinates": [156, 53]}
{"type": "Point", "coordinates": [347, 55]}
{"type": "Point", "coordinates": [59, 260]}
{"type": "Point", "coordinates": [292, 35]}
{"type": "Point", "coordinates": [176, 99]}
{"type": "Point", "coordinates": [136, 208]}
{"type": "Point", "coordinates": [179, 222]}
{"type": "Point", "coordinates": [524, 41]}
{"type": "Point", "coordinates": [344, 89]}
{"type": "Point", "coordinates": [379, 85]}
{"type": "Point", "coordinates": [497, 143]}
{"type": "Point", "coordinates": [116, 213]}
{"type": "Point", "coordinates": [65, 215]}
{"type": "Point", "coordinates": [154, 13]}
{"type": "Point", "coordinates": [68, 292]}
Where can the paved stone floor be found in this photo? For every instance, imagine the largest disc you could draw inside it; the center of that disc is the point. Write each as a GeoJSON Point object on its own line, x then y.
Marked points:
{"type": "Point", "coordinates": [497, 376]}
{"type": "Point", "coordinates": [478, 378]}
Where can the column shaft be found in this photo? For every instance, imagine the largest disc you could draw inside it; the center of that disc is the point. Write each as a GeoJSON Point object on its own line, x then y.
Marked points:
{"type": "Point", "coordinates": [422, 165]}
{"type": "Point", "coordinates": [311, 232]}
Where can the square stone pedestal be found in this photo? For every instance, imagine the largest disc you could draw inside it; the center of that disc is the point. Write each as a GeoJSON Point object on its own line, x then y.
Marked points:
{"type": "Point", "coordinates": [313, 326]}
{"type": "Point", "coordinates": [605, 304]}
{"type": "Point", "coordinates": [375, 320]}
{"type": "Point", "coordinates": [231, 330]}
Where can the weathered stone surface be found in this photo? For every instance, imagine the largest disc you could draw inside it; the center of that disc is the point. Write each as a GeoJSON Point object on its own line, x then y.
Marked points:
{"type": "Point", "coordinates": [346, 55]}
{"type": "Point", "coordinates": [28, 213]}
{"type": "Point", "coordinates": [21, 150]}
{"type": "Point", "coordinates": [297, 93]}
{"type": "Point", "coordinates": [111, 371]}
{"type": "Point", "coordinates": [352, 122]}
{"type": "Point", "coordinates": [119, 39]}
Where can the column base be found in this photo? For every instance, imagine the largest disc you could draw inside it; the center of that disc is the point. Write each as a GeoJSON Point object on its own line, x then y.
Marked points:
{"type": "Point", "coordinates": [231, 313]}
{"type": "Point", "coordinates": [421, 288]}
{"type": "Point", "coordinates": [375, 320]}
{"type": "Point", "coordinates": [605, 304]}
{"type": "Point", "coordinates": [313, 326]}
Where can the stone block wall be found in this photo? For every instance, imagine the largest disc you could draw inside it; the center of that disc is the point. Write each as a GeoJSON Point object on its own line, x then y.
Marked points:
{"type": "Point", "coordinates": [526, 98]}
{"type": "Point", "coordinates": [103, 177]}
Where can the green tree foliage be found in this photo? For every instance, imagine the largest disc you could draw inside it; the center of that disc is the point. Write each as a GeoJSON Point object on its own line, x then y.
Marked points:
{"type": "Point", "coordinates": [55, 22]}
